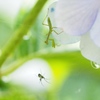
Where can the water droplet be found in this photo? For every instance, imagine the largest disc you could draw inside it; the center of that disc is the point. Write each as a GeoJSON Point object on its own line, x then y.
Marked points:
{"type": "Point", "coordinates": [26, 37]}
{"type": "Point", "coordinates": [78, 91]}
{"type": "Point", "coordinates": [52, 9]}
{"type": "Point", "coordinates": [95, 65]}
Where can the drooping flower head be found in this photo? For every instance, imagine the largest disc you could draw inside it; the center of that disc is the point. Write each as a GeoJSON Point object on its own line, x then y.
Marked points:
{"type": "Point", "coordinates": [80, 18]}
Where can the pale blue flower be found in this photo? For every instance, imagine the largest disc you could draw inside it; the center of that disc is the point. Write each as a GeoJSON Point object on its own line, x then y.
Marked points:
{"type": "Point", "coordinates": [77, 17]}
{"type": "Point", "coordinates": [80, 18]}
{"type": "Point", "coordinates": [62, 38]}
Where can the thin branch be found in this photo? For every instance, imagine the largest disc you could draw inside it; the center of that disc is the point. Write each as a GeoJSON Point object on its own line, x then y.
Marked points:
{"type": "Point", "coordinates": [60, 55]}
{"type": "Point", "coordinates": [18, 34]}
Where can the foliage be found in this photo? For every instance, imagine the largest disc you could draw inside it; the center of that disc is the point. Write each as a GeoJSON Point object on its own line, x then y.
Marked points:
{"type": "Point", "coordinates": [73, 76]}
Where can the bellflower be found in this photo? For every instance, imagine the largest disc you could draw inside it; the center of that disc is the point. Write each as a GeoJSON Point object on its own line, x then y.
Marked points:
{"type": "Point", "coordinates": [80, 18]}
{"type": "Point", "coordinates": [62, 38]}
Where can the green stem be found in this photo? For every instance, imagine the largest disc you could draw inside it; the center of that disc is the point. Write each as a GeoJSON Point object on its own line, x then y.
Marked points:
{"type": "Point", "coordinates": [47, 56]}
{"type": "Point", "coordinates": [25, 26]}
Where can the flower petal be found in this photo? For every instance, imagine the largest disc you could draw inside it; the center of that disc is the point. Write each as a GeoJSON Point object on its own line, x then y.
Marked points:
{"type": "Point", "coordinates": [62, 38]}
{"type": "Point", "coordinates": [52, 12]}
{"type": "Point", "coordinates": [88, 49]}
{"type": "Point", "coordinates": [95, 31]}
{"type": "Point", "coordinates": [76, 17]}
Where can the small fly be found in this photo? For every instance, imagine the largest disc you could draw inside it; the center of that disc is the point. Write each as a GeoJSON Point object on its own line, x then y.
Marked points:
{"type": "Point", "coordinates": [41, 77]}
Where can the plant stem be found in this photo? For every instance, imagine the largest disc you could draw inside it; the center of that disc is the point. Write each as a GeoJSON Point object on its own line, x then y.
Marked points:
{"type": "Point", "coordinates": [60, 55]}
{"type": "Point", "coordinates": [18, 34]}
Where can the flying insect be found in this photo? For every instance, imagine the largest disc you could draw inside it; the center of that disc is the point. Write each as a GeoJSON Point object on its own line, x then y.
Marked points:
{"type": "Point", "coordinates": [41, 77]}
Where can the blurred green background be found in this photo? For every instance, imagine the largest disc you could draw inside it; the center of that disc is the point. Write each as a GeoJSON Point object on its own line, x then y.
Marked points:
{"type": "Point", "coordinates": [68, 75]}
